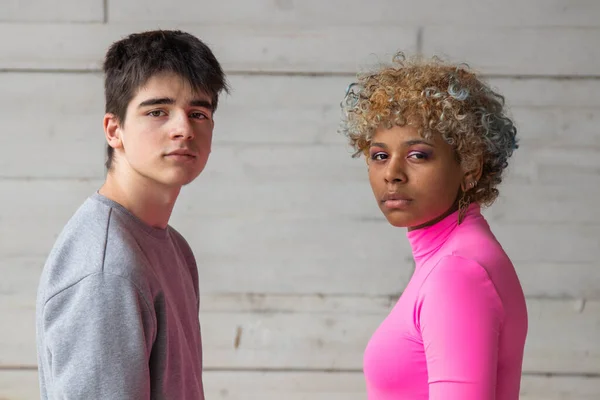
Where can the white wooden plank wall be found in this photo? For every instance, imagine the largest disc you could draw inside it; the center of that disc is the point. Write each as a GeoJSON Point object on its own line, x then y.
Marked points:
{"type": "Point", "coordinates": [297, 266]}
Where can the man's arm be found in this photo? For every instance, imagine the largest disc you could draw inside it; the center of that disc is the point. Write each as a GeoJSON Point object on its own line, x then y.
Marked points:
{"type": "Point", "coordinates": [98, 336]}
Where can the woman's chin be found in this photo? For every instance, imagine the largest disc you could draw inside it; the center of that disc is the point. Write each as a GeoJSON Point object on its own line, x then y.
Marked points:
{"type": "Point", "coordinates": [399, 221]}
{"type": "Point", "coordinates": [410, 222]}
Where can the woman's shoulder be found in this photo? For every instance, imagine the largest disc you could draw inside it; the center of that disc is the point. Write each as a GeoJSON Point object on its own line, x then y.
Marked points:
{"type": "Point", "coordinates": [474, 240]}
{"type": "Point", "coordinates": [457, 282]}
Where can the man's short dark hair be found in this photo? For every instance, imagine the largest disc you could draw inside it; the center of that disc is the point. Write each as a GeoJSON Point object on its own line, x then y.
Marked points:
{"type": "Point", "coordinates": [132, 61]}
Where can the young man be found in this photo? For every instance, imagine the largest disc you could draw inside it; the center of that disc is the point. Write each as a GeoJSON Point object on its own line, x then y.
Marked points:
{"type": "Point", "coordinates": [117, 309]}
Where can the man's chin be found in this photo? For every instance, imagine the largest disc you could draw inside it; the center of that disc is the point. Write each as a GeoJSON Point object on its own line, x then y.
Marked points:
{"type": "Point", "coordinates": [180, 180]}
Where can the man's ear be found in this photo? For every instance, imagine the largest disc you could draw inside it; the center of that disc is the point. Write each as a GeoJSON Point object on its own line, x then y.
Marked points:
{"type": "Point", "coordinates": [473, 174]}
{"type": "Point", "coordinates": [112, 131]}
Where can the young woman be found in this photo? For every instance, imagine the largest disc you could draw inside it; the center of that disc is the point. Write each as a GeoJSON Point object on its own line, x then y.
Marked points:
{"type": "Point", "coordinates": [437, 140]}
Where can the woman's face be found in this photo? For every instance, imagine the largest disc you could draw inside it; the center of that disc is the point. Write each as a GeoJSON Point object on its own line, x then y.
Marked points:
{"type": "Point", "coordinates": [415, 181]}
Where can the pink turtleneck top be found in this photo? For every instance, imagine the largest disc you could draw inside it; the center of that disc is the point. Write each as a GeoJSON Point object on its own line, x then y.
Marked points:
{"type": "Point", "coordinates": [458, 330]}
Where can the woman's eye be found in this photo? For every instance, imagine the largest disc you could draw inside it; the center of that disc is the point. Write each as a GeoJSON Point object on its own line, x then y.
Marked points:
{"type": "Point", "coordinates": [418, 155]}
{"type": "Point", "coordinates": [378, 156]}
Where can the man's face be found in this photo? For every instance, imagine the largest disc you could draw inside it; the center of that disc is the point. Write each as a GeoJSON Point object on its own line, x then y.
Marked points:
{"type": "Point", "coordinates": [167, 133]}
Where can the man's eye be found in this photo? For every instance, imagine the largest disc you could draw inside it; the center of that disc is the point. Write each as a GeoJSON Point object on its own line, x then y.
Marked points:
{"type": "Point", "coordinates": [198, 115]}
{"type": "Point", "coordinates": [156, 113]}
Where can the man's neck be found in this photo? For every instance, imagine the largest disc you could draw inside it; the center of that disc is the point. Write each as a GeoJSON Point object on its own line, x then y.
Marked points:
{"type": "Point", "coordinates": [149, 201]}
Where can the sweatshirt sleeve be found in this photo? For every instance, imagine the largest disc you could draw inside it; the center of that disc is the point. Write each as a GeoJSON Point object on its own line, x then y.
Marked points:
{"type": "Point", "coordinates": [99, 335]}
{"type": "Point", "coordinates": [460, 314]}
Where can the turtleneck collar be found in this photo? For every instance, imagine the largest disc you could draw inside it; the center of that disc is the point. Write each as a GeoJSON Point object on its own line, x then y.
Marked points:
{"type": "Point", "coordinates": [425, 241]}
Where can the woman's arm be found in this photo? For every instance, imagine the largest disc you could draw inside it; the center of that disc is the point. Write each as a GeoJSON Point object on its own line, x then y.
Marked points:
{"type": "Point", "coordinates": [460, 316]}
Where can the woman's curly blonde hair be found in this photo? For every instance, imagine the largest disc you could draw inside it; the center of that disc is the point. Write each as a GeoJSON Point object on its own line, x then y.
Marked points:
{"type": "Point", "coordinates": [436, 98]}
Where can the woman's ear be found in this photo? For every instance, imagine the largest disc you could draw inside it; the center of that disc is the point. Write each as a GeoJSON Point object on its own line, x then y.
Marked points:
{"type": "Point", "coordinates": [472, 174]}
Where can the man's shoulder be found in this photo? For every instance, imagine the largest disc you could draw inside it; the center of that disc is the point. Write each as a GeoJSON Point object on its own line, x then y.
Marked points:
{"type": "Point", "coordinates": [181, 242]}
{"type": "Point", "coordinates": [95, 240]}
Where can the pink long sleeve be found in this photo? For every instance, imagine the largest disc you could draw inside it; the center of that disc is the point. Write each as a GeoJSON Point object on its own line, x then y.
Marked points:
{"type": "Point", "coordinates": [458, 330]}
{"type": "Point", "coordinates": [460, 318]}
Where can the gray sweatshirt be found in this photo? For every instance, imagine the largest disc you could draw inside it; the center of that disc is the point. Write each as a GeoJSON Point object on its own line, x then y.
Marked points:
{"type": "Point", "coordinates": [117, 310]}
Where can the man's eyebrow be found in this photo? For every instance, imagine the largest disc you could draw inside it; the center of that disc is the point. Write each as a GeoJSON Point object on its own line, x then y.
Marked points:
{"type": "Point", "coordinates": [202, 103]}
{"type": "Point", "coordinates": [167, 100]}
{"type": "Point", "coordinates": [156, 101]}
